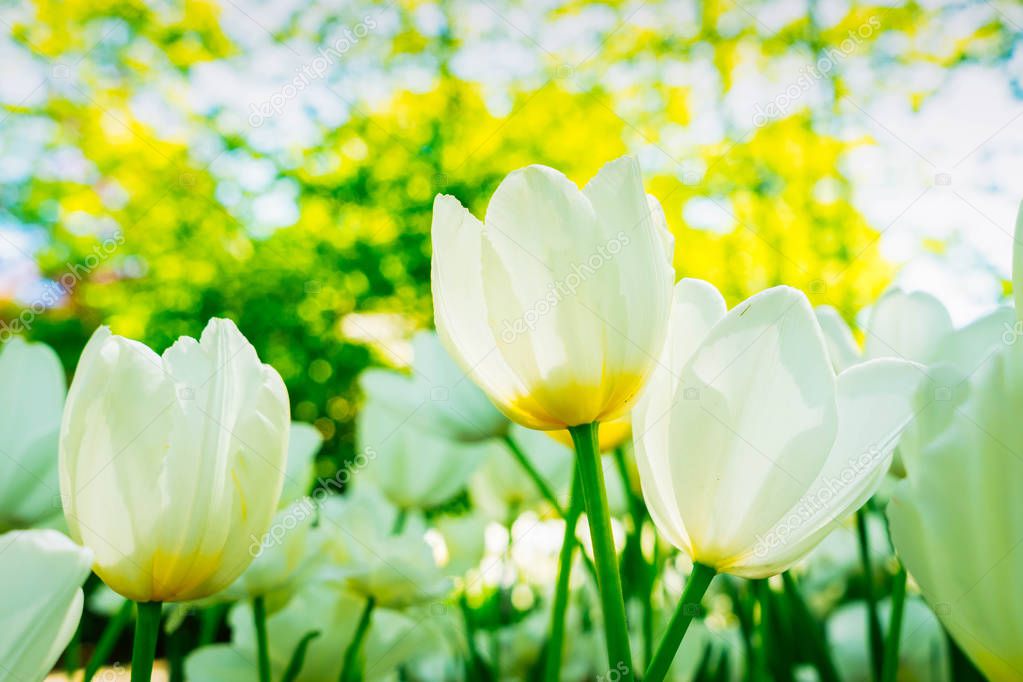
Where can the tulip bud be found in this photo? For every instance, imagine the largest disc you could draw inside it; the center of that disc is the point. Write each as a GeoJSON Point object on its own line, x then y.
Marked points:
{"type": "Point", "coordinates": [556, 305]}
{"type": "Point", "coordinates": [169, 465]}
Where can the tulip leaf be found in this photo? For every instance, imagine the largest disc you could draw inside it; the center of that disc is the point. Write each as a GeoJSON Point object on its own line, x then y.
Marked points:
{"type": "Point", "coordinates": [298, 657]}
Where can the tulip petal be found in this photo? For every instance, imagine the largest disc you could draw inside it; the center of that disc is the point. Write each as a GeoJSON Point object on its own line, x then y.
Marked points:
{"type": "Point", "coordinates": [224, 469]}
{"type": "Point", "coordinates": [753, 420]}
{"type": "Point", "coordinates": [304, 441]}
{"type": "Point", "coordinates": [30, 412]}
{"type": "Point", "coordinates": [842, 346]}
{"type": "Point", "coordinates": [906, 325]}
{"type": "Point", "coordinates": [875, 403]}
{"type": "Point", "coordinates": [697, 307]}
{"type": "Point", "coordinates": [42, 572]}
{"type": "Point", "coordinates": [459, 306]}
{"type": "Point", "coordinates": [113, 441]}
{"type": "Point", "coordinates": [955, 519]}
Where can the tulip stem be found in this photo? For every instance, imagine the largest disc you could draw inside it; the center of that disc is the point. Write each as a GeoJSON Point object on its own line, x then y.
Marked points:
{"type": "Point", "coordinates": [688, 606]}
{"type": "Point", "coordinates": [107, 640]}
{"type": "Point", "coordinates": [534, 475]}
{"type": "Point", "coordinates": [891, 649]}
{"type": "Point", "coordinates": [262, 645]}
{"type": "Point", "coordinates": [352, 669]}
{"type": "Point", "coordinates": [552, 668]}
{"type": "Point", "coordinates": [147, 630]}
{"type": "Point", "coordinates": [818, 644]}
{"type": "Point", "coordinates": [875, 638]}
{"type": "Point", "coordinates": [633, 557]}
{"type": "Point", "coordinates": [598, 517]}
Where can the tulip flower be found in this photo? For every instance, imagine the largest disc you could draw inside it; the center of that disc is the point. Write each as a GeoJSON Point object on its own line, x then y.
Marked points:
{"type": "Point", "coordinates": [913, 326]}
{"type": "Point", "coordinates": [556, 305]}
{"type": "Point", "coordinates": [170, 464]}
{"type": "Point", "coordinates": [955, 519]}
{"type": "Point", "coordinates": [31, 401]}
{"type": "Point", "coordinates": [42, 572]}
{"type": "Point", "coordinates": [415, 467]}
{"type": "Point", "coordinates": [750, 449]}
{"type": "Point", "coordinates": [437, 397]}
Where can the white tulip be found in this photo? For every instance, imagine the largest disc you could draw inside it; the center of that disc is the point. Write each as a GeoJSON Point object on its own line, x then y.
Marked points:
{"type": "Point", "coordinates": [31, 401]}
{"type": "Point", "coordinates": [908, 325]}
{"type": "Point", "coordinates": [914, 326]}
{"type": "Point", "coordinates": [957, 517]}
{"type": "Point", "coordinates": [169, 465]}
{"type": "Point", "coordinates": [304, 441]}
{"type": "Point", "coordinates": [42, 572]}
{"type": "Point", "coordinates": [369, 550]}
{"type": "Point", "coordinates": [556, 305]}
{"type": "Point", "coordinates": [414, 467]}
{"type": "Point", "coordinates": [750, 450]}
{"type": "Point", "coordinates": [437, 397]}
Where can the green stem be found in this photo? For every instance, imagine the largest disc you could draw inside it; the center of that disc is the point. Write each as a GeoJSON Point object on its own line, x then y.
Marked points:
{"type": "Point", "coordinates": [351, 669]}
{"type": "Point", "coordinates": [688, 606]}
{"type": "Point", "coordinates": [400, 519]}
{"type": "Point", "coordinates": [876, 638]}
{"type": "Point", "coordinates": [262, 643]}
{"type": "Point", "coordinates": [772, 630]}
{"type": "Point", "coordinates": [634, 553]}
{"type": "Point", "coordinates": [598, 517]}
{"type": "Point", "coordinates": [210, 619]}
{"type": "Point", "coordinates": [111, 633]}
{"type": "Point", "coordinates": [534, 475]}
{"type": "Point", "coordinates": [147, 630]}
{"type": "Point", "coordinates": [818, 645]}
{"type": "Point", "coordinates": [73, 653]}
{"type": "Point", "coordinates": [552, 667]}
{"type": "Point", "coordinates": [891, 649]}
{"type": "Point", "coordinates": [478, 669]}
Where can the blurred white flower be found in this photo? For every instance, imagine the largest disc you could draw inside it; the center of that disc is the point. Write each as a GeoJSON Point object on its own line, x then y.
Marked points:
{"type": "Point", "coordinates": [304, 441]}
{"type": "Point", "coordinates": [750, 450]}
{"type": "Point", "coordinates": [956, 518]}
{"type": "Point", "coordinates": [913, 326]}
{"type": "Point", "coordinates": [414, 467]}
{"type": "Point", "coordinates": [170, 465]}
{"type": "Point", "coordinates": [461, 542]}
{"type": "Point", "coordinates": [437, 396]}
{"type": "Point", "coordinates": [282, 555]}
{"type": "Point", "coordinates": [369, 550]}
{"type": "Point", "coordinates": [31, 402]}
{"type": "Point", "coordinates": [42, 572]}
{"type": "Point", "coordinates": [556, 305]}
